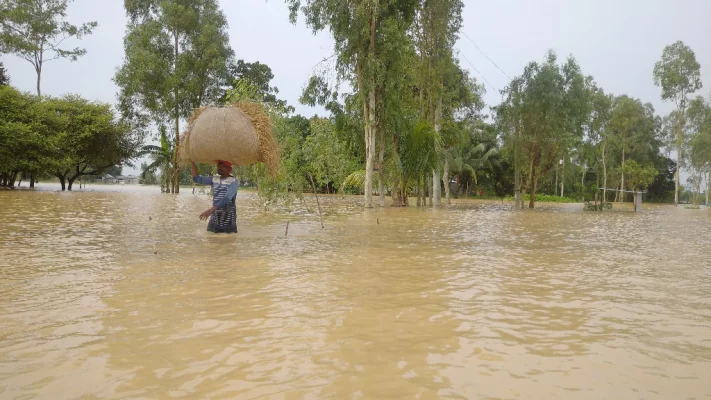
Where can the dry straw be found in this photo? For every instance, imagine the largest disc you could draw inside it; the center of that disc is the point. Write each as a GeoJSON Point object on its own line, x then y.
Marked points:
{"type": "Point", "coordinates": [268, 147]}
{"type": "Point", "coordinates": [240, 133]}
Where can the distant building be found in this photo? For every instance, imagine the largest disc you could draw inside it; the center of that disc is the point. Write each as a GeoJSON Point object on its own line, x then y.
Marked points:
{"type": "Point", "coordinates": [108, 178]}
{"type": "Point", "coordinates": [120, 180]}
{"type": "Point", "coordinates": [129, 180]}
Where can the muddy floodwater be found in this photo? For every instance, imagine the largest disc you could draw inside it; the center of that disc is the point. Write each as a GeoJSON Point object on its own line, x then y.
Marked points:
{"type": "Point", "coordinates": [122, 294]}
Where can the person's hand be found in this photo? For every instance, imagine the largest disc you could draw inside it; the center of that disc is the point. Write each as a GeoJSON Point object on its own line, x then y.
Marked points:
{"type": "Point", "coordinates": [208, 213]}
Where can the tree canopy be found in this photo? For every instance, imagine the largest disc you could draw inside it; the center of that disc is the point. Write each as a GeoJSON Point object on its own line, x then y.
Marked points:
{"type": "Point", "coordinates": [176, 58]}
{"type": "Point", "coordinates": [34, 30]}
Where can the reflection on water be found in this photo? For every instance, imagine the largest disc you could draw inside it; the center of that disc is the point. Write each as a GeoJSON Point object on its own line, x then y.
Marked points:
{"type": "Point", "coordinates": [468, 301]}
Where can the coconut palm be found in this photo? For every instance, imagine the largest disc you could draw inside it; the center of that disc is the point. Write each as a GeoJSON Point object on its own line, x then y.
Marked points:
{"type": "Point", "coordinates": [470, 159]}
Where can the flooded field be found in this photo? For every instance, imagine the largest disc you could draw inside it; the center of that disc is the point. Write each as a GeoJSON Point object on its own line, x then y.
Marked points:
{"type": "Point", "coordinates": [120, 293]}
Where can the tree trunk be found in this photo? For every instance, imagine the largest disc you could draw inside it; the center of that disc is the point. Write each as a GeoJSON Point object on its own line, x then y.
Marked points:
{"type": "Point", "coordinates": [582, 179]}
{"type": "Point", "coordinates": [370, 123]}
{"type": "Point", "coordinates": [676, 176]}
{"type": "Point", "coordinates": [395, 193]}
{"type": "Point", "coordinates": [445, 180]}
{"type": "Point", "coordinates": [604, 173]}
{"type": "Point", "coordinates": [430, 190]}
{"type": "Point", "coordinates": [562, 179]}
{"type": "Point", "coordinates": [708, 188]}
{"type": "Point", "coordinates": [518, 200]}
{"type": "Point", "coordinates": [531, 184]}
{"type": "Point", "coordinates": [62, 181]}
{"type": "Point", "coordinates": [582, 183]}
{"type": "Point", "coordinates": [381, 184]}
{"type": "Point", "coordinates": [417, 190]}
{"type": "Point", "coordinates": [425, 190]}
{"type": "Point", "coordinates": [175, 181]}
{"type": "Point", "coordinates": [532, 202]}
{"type": "Point", "coordinates": [32, 180]}
{"type": "Point", "coordinates": [39, 80]}
{"type": "Point", "coordinates": [458, 186]}
{"type": "Point", "coordinates": [3, 179]}
{"type": "Point", "coordinates": [71, 183]}
{"type": "Point", "coordinates": [597, 185]}
{"type": "Point", "coordinates": [622, 183]}
{"type": "Point", "coordinates": [13, 178]}
{"type": "Point", "coordinates": [398, 192]}
{"type": "Point", "coordinates": [176, 165]}
{"type": "Point", "coordinates": [679, 143]}
{"type": "Point", "coordinates": [370, 153]}
{"type": "Point", "coordinates": [19, 183]}
{"type": "Point", "coordinates": [517, 179]}
{"type": "Point", "coordinates": [555, 191]}
{"type": "Point", "coordinates": [436, 188]}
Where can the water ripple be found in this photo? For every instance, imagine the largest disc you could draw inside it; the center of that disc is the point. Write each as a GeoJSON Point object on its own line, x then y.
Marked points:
{"type": "Point", "coordinates": [123, 294]}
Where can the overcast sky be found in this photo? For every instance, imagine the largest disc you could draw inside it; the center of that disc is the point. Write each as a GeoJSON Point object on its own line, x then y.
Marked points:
{"type": "Point", "coordinates": [615, 41]}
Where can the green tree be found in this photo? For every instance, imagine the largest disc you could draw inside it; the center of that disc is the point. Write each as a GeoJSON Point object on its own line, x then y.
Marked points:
{"type": "Point", "coordinates": [114, 170]}
{"type": "Point", "coordinates": [23, 145]}
{"type": "Point", "coordinates": [678, 73]}
{"type": "Point", "coordinates": [148, 177]}
{"type": "Point", "coordinates": [509, 120]}
{"type": "Point", "coordinates": [4, 78]}
{"type": "Point", "coordinates": [700, 144]}
{"type": "Point", "coordinates": [68, 137]}
{"type": "Point", "coordinates": [601, 113]}
{"type": "Point", "coordinates": [34, 30]}
{"type": "Point", "coordinates": [471, 159]}
{"type": "Point", "coordinates": [252, 81]}
{"type": "Point", "coordinates": [90, 139]}
{"type": "Point", "coordinates": [176, 57]}
{"type": "Point", "coordinates": [548, 104]}
{"type": "Point", "coordinates": [326, 156]}
{"type": "Point", "coordinates": [361, 33]}
{"type": "Point", "coordinates": [632, 128]}
{"type": "Point", "coordinates": [638, 176]}
{"type": "Point", "coordinates": [435, 32]}
{"type": "Point", "coordinates": [461, 113]}
{"type": "Point", "coordinates": [161, 158]}
{"type": "Point", "coordinates": [578, 91]}
{"type": "Point", "coordinates": [419, 155]}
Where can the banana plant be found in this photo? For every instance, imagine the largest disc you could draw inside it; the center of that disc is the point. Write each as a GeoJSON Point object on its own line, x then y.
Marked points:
{"type": "Point", "coordinates": [162, 158]}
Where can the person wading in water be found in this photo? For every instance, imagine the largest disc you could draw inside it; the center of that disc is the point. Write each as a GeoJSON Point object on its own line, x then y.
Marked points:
{"type": "Point", "coordinates": [223, 213]}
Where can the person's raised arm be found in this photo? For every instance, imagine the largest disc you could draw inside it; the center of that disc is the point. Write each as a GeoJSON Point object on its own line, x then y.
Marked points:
{"type": "Point", "coordinates": [202, 180]}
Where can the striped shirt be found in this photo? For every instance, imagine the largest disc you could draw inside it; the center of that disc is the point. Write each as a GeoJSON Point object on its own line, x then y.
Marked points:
{"type": "Point", "coordinates": [224, 195]}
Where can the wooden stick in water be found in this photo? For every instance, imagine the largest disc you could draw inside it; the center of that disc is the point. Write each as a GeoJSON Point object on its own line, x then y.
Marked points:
{"type": "Point", "coordinates": [317, 202]}
{"type": "Point", "coordinates": [286, 233]}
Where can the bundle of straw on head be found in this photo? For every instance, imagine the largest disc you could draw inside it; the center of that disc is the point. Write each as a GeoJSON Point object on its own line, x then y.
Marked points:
{"type": "Point", "coordinates": [268, 147]}
{"type": "Point", "coordinates": [240, 133]}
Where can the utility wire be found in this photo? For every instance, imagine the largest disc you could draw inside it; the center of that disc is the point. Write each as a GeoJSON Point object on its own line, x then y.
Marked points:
{"type": "Point", "coordinates": [479, 72]}
{"type": "Point", "coordinates": [482, 52]}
